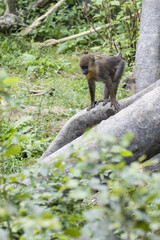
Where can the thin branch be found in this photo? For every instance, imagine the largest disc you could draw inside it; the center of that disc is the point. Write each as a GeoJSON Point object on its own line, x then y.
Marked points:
{"type": "Point", "coordinates": [54, 41]}
{"type": "Point", "coordinates": [36, 4]}
{"type": "Point", "coordinates": [39, 20]}
{"type": "Point", "coordinates": [88, 21]}
{"type": "Point", "coordinates": [10, 7]}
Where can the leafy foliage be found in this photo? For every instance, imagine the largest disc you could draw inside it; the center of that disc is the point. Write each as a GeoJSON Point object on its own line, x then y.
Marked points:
{"type": "Point", "coordinates": [94, 196]}
{"type": "Point", "coordinates": [124, 16]}
{"type": "Point", "coordinates": [73, 17]}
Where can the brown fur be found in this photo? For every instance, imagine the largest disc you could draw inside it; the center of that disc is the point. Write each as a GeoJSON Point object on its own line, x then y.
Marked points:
{"type": "Point", "coordinates": [108, 70]}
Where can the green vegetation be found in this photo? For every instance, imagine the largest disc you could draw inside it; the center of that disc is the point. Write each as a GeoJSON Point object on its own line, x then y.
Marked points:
{"type": "Point", "coordinates": [40, 89]}
{"type": "Point", "coordinates": [62, 90]}
{"type": "Point", "coordinates": [97, 198]}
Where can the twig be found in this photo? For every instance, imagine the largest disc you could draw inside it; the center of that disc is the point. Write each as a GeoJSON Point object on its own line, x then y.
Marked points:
{"type": "Point", "coordinates": [39, 20]}
{"type": "Point", "coordinates": [38, 92]}
{"type": "Point", "coordinates": [55, 41]}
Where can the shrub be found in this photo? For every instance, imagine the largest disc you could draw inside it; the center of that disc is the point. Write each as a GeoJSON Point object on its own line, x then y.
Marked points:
{"type": "Point", "coordinates": [90, 195]}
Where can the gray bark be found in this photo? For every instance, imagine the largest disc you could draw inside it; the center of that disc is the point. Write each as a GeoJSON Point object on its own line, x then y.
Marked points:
{"type": "Point", "coordinates": [8, 21]}
{"type": "Point", "coordinates": [148, 48]}
{"type": "Point", "coordinates": [11, 19]}
{"type": "Point", "coordinates": [76, 126]}
{"type": "Point", "coordinates": [154, 167]}
{"type": "Point", "coordinates": [10, 7]}
{"type": "Point", "coordinates": [40, 3]}
{"type": "Point", "coordinates": [142, 118]}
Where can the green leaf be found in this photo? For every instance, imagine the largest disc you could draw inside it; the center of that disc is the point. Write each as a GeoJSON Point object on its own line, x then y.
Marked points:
{"type": "Point", "coordinates": [3, 212]}
{"type": "Point", "coordinates": [13, 150]}
{"type": "Point", "coordinates": [27, 58]}
{"type": "Point", "coordinates": [115, 3]}
{"type": "Point", "coordinates": [78, 194]}
{"type": "Point", "coordinates": [126, 139]}
{"type": "Point", "coordinates": [73, 232]}
{"type": "Point", "coordinates": [11, 80]}
{"type": "Point", "coordinates": [142, 225]}
{"type": "Point", "coordinates": [3, 75]}
{"type": "Point", "coordinates": [126, 153]}
{"type": "Point", "coordinates": [151, 198]}
{"type": "Point", "coordinates": [31, 69]}
{"type": "Point", "coordinates": [22, 121]}
{"type": "Point", "coordinates": [73, 183]}
{"type": "Point", "coordinates": [119, 149]}
{"type": "Point", "coordinates": [8, 98]}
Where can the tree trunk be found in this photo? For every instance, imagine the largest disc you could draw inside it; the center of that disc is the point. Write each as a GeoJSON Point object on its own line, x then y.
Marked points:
{"type": "Point", "coordinates": [148, 48]}
{"type": "Point", "coordinates": [40, 3]}
{"type": "Point", "coordinates": [76, 126]}
{"type": "Point", "coordinates": [10, 19]}
{"type": "Point", "coordinates": [141, 118]}
{"type": "Point", "coordinates": [10, 7]}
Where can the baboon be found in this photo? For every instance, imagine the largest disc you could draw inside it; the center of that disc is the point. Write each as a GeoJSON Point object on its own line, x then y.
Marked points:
{"type": "Point", "coordinates": [108, 70]}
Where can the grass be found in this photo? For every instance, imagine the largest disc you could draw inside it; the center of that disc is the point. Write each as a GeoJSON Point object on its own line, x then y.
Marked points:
{"type": "Point", "coordinates": [66, 92]}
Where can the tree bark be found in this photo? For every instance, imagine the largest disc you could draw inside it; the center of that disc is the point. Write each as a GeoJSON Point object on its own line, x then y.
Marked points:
{"type": "Point", "coordinates": [10, 7]}
{"type": "Point", "coordinates": [10, 19]}
{"type": "Point", "coordinates": [76, 126]}
{"type": "Point", "coordinates": [148, 48]}
{"type": "Point", "coordinates": [40, 3]}
{"type": "Point", "coordinates": [141, 118]}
